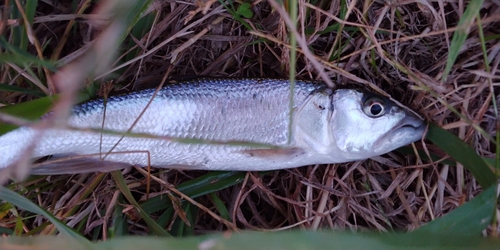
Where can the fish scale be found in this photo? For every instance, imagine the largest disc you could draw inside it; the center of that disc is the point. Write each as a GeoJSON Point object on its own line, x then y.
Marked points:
{"type": "Point", "coordinates": [250, 110]}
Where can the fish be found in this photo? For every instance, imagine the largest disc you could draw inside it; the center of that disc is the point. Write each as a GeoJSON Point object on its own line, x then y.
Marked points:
{"type": "Point", "coordinates": [227, 124]}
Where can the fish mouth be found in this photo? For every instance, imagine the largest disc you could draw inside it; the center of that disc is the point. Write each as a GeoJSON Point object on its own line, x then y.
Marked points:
{"type": "Point", "coordinates": [408, 130]}
{"type": "Point", "coordinates": [410, 122]}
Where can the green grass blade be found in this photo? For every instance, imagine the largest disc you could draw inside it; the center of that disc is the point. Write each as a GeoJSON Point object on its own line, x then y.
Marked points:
{"type": "Point", "coordinates": [13, 88]}
{"type": "Point", "coordinates": [211, 182]}
{"type": "Point", "coordinates": [166, 217]}
{"type": "Point", "coordinates": [41, 242]}
{"type": "Point", "coordinates": [29, 110]}
{"type": "Point", "coordinates": [208, 183]}
{"type": "Point", "coordinates": [468, 219]}
{"type": "Point", "coordinates": [18, 229]}
{"type": "Point", "coordinates": [122, 185]}
{"type": "Point", "coordinates": [30, 10]}
{"type": "Point", "coordinates": [462, 153]}
{"type": "Point", "coordinates": [19, 37]}
{"type": "Point", "coordinates": [278, 240]}
{"type": "Point", "coordinates": [6, 231]}
{"type": "Point", "coordinates": [140, 29]}
{"type": "Point", "coordinates": [235, 15]}
{"type": "Point", "coordinates": [221, 207]}
{"type": "Point", "coordinates": [16, 199]}
{"type": "Point", "coordinates": [461, 33]}
{"type": "Point", "coordinates": [133, 15]}
{"type": "Point", "coordinates": [180, 228]}
{"type": "Point", "coordinates": [20, 57]}
{"type": "Point", "coordinates": [119, 226]}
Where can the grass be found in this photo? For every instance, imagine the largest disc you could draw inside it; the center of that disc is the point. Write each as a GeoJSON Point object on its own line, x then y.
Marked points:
{"type": "Point", "coordinates": [437, 58]}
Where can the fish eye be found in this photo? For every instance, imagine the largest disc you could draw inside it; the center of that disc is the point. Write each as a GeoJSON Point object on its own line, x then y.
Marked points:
{"type": "Point", "coordinates": [374, 107]}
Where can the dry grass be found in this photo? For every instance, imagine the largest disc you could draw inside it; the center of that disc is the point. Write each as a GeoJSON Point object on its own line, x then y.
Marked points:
{"type": "Point", "coordinates": [400, 47]}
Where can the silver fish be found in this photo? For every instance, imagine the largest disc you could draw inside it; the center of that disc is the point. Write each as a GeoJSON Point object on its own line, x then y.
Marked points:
{"type": "Point", "coordinates": [328, 126]}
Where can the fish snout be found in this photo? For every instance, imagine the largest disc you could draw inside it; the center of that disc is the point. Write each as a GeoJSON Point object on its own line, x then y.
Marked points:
{"type": "Point", "coordinates": [412, 125]}
{"type": "Point", "coordinates": [410, 128]}
{"type": "Point", "coordinates": [411, 120]}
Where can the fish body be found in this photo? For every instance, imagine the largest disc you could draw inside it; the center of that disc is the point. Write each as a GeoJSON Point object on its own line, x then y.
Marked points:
{"type": "Point", "coordinates": [327, 126]}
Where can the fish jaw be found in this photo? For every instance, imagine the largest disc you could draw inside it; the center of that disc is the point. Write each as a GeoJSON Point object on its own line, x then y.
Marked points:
{"type": "Point", "coordinates": [410, 129]}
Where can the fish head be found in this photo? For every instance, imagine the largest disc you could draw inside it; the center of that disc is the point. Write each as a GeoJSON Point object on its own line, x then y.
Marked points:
{"type": "Point", "coordinates": [365, 124]}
